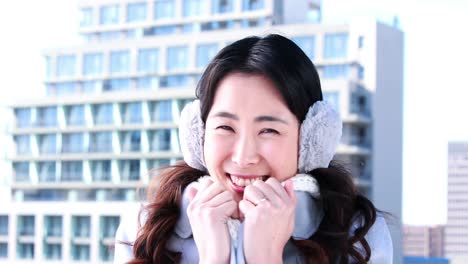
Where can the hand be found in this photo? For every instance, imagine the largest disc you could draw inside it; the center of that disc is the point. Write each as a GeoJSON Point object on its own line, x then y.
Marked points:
{"type": "Point", "coordinates": [209, 209]}
{"type": "Point", "coordinates": [268, 208]}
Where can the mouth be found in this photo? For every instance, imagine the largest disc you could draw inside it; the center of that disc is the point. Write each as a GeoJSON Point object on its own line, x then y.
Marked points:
{"type": "Point", "coordinates": [239, 182]}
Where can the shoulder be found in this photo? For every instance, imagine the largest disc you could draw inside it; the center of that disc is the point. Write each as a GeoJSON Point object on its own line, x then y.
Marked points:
{"type": "Point", "coordinates": [379, 240]}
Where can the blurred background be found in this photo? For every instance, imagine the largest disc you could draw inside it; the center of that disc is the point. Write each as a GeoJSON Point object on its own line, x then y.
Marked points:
{"type": "Point", "coordinates": [92, 91]}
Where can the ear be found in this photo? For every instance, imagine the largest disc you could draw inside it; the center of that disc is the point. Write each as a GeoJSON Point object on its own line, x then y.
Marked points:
{"type": "Point", "coordinates": [191, 135]}
{"type": "Point", "coordinates": [320, 134]}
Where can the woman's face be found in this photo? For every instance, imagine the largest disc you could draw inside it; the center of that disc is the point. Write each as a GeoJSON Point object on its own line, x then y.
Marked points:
{"type": "Point", "coordinates": [250, 133]}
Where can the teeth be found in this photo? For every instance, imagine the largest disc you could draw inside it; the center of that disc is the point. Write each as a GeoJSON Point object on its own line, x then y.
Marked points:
{"type": "Point", "coordinates": [244, 182]}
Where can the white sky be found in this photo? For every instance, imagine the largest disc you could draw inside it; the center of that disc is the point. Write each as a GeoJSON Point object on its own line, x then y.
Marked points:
{"type": "Point", "coordinates": [435, 84]}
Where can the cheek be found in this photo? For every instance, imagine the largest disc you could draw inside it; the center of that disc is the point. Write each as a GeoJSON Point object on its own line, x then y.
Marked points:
{"type": "Point", "coordinates": [282, 158]}
{"type": "Point", "coordinates": [215, 151]}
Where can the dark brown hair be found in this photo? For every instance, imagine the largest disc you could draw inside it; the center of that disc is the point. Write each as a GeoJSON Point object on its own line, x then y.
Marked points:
{"type": "Point", "coordinates": [296, 78]}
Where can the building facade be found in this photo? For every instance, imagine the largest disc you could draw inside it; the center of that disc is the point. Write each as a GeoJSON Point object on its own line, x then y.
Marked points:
{"type": "Point", "coordinates": [423, 241]}
{"type": "Point", "coordinates": [112, 106]}
{"type": "Point", "coordinates": [456, 233]}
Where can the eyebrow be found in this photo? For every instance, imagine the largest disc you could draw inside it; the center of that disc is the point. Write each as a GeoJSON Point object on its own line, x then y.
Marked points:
{"type": "Point", "coordinates": [263, 118]}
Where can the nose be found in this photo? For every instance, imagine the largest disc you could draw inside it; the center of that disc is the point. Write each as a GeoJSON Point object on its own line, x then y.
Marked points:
{"type": "Point", "coordinates": [245, 152]}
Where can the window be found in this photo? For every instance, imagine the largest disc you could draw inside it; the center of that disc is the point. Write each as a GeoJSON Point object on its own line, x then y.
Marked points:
{"type": "Point", "coordinates": [21, 171]}
{"type": "Point", "coordinates": [46, 171]}
{"type": "Point", "coordinates": [336, 46]}
{"type": "Point", "coordinates": [47, 144]}
{"type": "Point", "coordinates": [132, 113]}
{"type": "Point", "coordinates": [148, 60]}
{"type": "Point", "coordinates": [101, 170]}
{"type": "Point", "coordinates": [156, 163]}
{"type": "Point", "coordinates": [339, 71]}
{"type": "Point", "coordinates": [90, 87]}
{"type": "Point", "coordinates": [108, 226]}
{"type": "Point", "coordinates": [66, 65]}
{"type": "Point", "coordinates": [86, 17]}
{"type": "Point", "coordinates": [148, 83]}
{"type": "Point", "coordinates": [81, 252]}
{"type": "Point", "coordinates": [161, 140]}
{"type": "Point", "coordinates": [26, 225]}
{"type": "Point", "coordinates": [250, 23]}
{"type": "Point", "coordinates": [162, 111]}
{"type": "Point", "coordinates": [109, 35]}
{"type": "Point", "coordinates": [131, 141]}
{"type": "Point", "coordinates": [3, 225]}
{"type": "Point", "coordinates": [65, 88]}
{"type": "Point", "coordinates": [45, 195]}
{"type": "Point", "coordinates": [177, 58]}
{"type": "Point", "coordinates": [119, 61]}
{"type": "Point", "coordinates": [164, 9]}
{"type": "Point", "coordinates": [25, 251]}
{"type": "Point", "coordinates": [72, 171]}
{"type": "Point", "coordinates": [23, 145]}
{"type": "Point", "coordinates": [46, 116]}
{"type": "Point", "coordinates": [53, 226]}
{"type": "Point", "coordinates": [103, 114]}
{"type": "Point", "coordinates": [307, 44]}
{"type": "Point", "coordinates": [53, 251]}
{"type": "Point", "coordinates": [116, 84]}
{"type": "Point", "coordinates": [160, 30]}
{"type": "Point", "coordinates": [92, 64]}
{"type": "Point", "coordinates": [222, 6]}
{"type": "Point", "coordinates": [360, 72]}
{"type": "Point", "coordinates": [130, 170]}
{"type": "Point", "coordinates": [333, 99]}
{"type": "Point", "coordinates": [81, 226]}
{"type": "Point", "coordinates": [72, 143]}
{"type": "Point", "coordinates": [250, 5]}
{"type": "Point", "coordinates": [361, 42]}
{"type": "Point", "coordinates": [23, 117]}
{"type": "Point", "coordinates": [109, 15]}
{"type": "Point", "coordinates": [75, 115]}
{"type": "Point", "coordinates": [3, 250]}
{"type": "Point", "coordinates": [195, 8]}
{"type": "Point", "coordinates": [136, 12]}
{"type": "Point", "coordinates": [179, 80]}
{"type": "Point", "coordinates": [101, 142]}
{"type": "Point", "coordinates": [48, 64]}
{"type": "Point", "coordinates": [205, 53]}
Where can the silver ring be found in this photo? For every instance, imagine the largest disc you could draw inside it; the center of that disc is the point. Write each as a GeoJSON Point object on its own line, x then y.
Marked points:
{"type": "Point", "coordinates": [261, 200]}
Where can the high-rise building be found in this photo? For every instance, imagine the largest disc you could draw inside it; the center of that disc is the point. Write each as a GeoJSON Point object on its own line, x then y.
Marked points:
{"type": "Point", "coordinates": [423, 241]}
{"type": "Point", "coordinates": [456, 231]}
{"type": "Point", "coordinates": [113, 104]}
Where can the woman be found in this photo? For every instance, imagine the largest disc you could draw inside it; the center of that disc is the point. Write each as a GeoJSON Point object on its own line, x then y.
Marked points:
{"type": "Point", "coordinates": [265, 138]}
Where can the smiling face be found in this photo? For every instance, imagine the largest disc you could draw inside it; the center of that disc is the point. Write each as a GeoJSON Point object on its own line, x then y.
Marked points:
{"type": "Point", "coordinates": [250, 133]}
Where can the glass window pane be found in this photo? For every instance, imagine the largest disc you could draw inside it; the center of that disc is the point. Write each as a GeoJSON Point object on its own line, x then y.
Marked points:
{"type": "Point", "coordinates": [72, 143]}
{"type": "Point", "coordinates": [148, 83]}
{"type": "Point", "coordinates": [130, 170]}
{"type": "Point", "coordinates": [75, 115]}
{"type": "Point", "coordinates": [81, 227]}
{"type": "Point", "coordinates": [86, 17]}
{"type": "Point", "coordinates": [148, 60]}
{"type": "Point", "coordinates": [194, 8]}
{"type": "Point", "coordinates": [164, 9]}
{"type": "Point", "coordinates": [339, 71]}
{"type": "Point", "coordinates": [46, 116]}
{"type": "Point", "coordinates": [3, 225]}
{"type": "Point", "coordinates": [116, 84]}
{"type": "Point", "coordinates": [109, 15]}
{"type": "Point", "coordinates": [23, 144]}
{"type": "Point", "coordinates": [47, 144]}
{"type": "Point", "coordinates": [65, 88]}
{"type": "Point", "coordinates": [92, 64]}
{"type": "Point", "coordinates": [161, 140]}
{"type": "Point", "coordinates": [91, 87]}
{"type": "Point", "coordinates": [136, 12]}
{"type": "Point", "coordinates": [72, 171]}
{"type": "Point", "coordinates": [46, 171]}
{"type": "Point", "coordinates": [101, 170]}
{"type": "Point", "coordinates": [23, 117]}
{"type": "Point", "coordinates": [21, 171]}
{"type": "Point", "coordinates": [162, 111]}
{"type": "Point", "coordinates": [177, 58]}
{"type": "Point", "coordinates": [307, 44]}
{"type": "Point", "coordinates": [336, 45]}
{"type": "Point", "coordinates": [103, 114]}
{"type": "Point", "coordinates": [251, 5]}
{"type": "Point", "coordinates": [205, 53]}
{"type": "Point", "coordinates": [26, 225]}
{"type": "Point", "coordinates": [222, 6]}
{"type": "Point", "coordinates": [132, 113]}
{"type": "Point", "coordinates": [131, 141]}
{"type": "Point", "coordinates": [333, 99]}
{"type": "Point", "coordinates": [66, 65]}
{"type": "Point", "coordinates": [120, 61]}
{"type": "Point", "coordinates": [100, 142]}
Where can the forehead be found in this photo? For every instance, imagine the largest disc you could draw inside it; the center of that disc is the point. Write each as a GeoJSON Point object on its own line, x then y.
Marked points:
{"type": "Point", "coordinates": [248, 90]}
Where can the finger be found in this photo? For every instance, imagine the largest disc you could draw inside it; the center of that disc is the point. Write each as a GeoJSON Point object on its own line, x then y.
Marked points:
{"type": "Point", "coordinates": [253, 194]}
{"type": "Point", "coordinates": [221, 198]}
{"type": "Point", "coordinates": [210, 192]}
{"type": "Point", "coordinates": [246, 206]}
{"type": "Point", "coordinates": [289, 187]}
{"type": "Point", "coordinates": [268, 192]}
{"type": "Point", "coordinates": [192, 192]}
{"type": "Point", "coordinates": [228, 208]}
{"type": "Point", "coordinates": [278, 188]}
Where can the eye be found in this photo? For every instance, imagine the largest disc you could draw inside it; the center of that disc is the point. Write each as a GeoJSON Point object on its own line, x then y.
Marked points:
{"type": "Point", "coordinates": [227, 128]}
{"type": "Point", "coordinates": [269, 131]}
